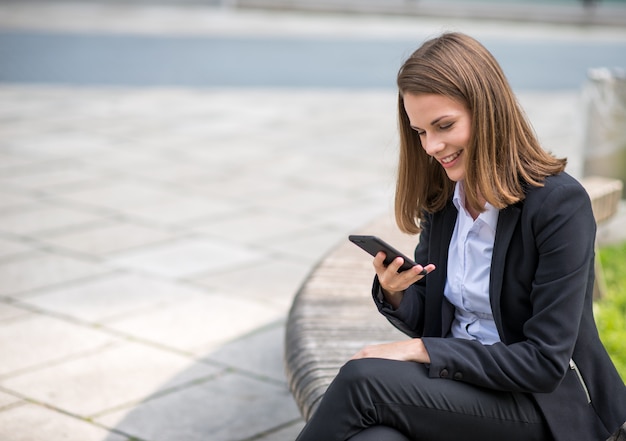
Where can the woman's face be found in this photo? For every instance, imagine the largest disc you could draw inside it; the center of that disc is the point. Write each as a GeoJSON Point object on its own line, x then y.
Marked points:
{"type": "Point", "coordinates": [444, 127]}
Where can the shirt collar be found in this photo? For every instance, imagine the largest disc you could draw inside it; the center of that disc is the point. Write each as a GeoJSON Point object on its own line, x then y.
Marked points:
{"type": "Point", "coordinates": [489, 216]}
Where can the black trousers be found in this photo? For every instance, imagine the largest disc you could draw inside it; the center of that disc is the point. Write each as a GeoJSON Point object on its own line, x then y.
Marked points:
{"type": "Point", "coordinates": [386, 400]}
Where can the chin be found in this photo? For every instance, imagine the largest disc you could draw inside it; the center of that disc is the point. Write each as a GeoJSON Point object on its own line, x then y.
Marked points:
{"type": "Point", "coordinates": [455, 176]}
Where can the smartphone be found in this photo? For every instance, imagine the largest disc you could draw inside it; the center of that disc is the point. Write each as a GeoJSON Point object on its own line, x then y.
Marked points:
{"type": "Point", "coordinates": [373, 245]}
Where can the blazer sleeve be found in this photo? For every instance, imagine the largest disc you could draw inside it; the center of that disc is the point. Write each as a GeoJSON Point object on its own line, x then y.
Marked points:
{"type": "Point", "coordinates": [409, 316]}
{"type": "Point", "coordinates": [558, 221]}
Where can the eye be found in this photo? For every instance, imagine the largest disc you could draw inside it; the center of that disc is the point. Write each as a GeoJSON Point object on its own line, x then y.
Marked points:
{"type": "Point", "coordinates": [419, 132]}
{"type": "Point", "coordinates": [446, 126]}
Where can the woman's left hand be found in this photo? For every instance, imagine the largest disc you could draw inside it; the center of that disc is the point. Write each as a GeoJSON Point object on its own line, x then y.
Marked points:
{"type": "Point", "coordinates": [406, 350]}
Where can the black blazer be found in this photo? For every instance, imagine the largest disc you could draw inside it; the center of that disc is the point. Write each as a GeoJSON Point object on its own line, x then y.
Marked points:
{"type": "Point", "coordinates": [541, 289]}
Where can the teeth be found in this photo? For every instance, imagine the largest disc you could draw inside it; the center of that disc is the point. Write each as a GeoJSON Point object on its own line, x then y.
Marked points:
{"type": "Point", "coordinates": [450, 158]}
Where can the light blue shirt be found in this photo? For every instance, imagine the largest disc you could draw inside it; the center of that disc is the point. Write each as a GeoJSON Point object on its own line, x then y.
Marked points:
{"type": "Point", "coordinates": [469, 265]}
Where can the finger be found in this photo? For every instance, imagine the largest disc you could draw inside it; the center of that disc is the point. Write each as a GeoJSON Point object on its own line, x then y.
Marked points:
{"type": "Point", "coordinates": [357, 356]}
{"type": "Point", "coordinates": [423, 270]}
{"type": "Point", "coordinates": [396, 264]}
{"type": "Point", "coordinates": [381, 268]}
{"type": "Point", "coordinates": [418, 271]}
{"type": "Point", "coordinates": [430, 268]}
{"type": "Point", "coordinates": [379, 259]}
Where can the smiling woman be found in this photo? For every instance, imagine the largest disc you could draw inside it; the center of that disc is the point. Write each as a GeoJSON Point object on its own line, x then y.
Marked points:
{"type": "Point", "coordinates": [503, 341]}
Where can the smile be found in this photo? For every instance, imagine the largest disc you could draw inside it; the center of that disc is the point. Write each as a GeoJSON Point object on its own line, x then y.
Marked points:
{"type": "Point", "coordinates": [449, 159]}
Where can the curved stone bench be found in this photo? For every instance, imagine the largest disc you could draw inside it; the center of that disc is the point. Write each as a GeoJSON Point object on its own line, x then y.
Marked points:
{"type": "Point", "coordinates": [333, 315]}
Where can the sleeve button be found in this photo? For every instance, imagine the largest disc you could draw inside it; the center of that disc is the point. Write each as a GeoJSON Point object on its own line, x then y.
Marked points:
{"type": "Point", "coordinates": [458, 376]}
{"type": "Point", "coordinates": [443, 373]}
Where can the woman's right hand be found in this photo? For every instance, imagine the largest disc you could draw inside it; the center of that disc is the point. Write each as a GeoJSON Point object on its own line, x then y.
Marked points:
{"type": "Point", "coordinates": [394, 283]}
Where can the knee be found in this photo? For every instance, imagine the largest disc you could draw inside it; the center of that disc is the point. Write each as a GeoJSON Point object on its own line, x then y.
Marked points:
{"type": "Point", "coordinates": [376, 433]}
{"type": "Point", "coordinates": [356, 371]}
{"type": "Point", "coordinates": [361, 374]}
{"type": "Point", "coordinates": [379, 377]}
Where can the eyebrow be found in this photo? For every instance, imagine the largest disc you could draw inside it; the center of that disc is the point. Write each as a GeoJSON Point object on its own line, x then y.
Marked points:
{"type": "Point", "coordinates": [433, 122]}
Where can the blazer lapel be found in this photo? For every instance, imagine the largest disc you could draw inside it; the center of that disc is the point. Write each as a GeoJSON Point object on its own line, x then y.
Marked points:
{"type": "Point", "coordinates": [507, 220]}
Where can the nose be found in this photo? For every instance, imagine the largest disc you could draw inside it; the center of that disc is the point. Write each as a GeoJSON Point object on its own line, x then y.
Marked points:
{"type": "Point", "coordinates": [431, 144]}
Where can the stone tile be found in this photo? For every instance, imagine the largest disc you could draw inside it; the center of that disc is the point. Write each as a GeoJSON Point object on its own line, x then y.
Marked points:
{"type": "Point", "coordinates": [253, 227]}
{"type": "Point", "coordinates": [24, 162]}
{"type": "Point", "coordinates": [260, 352]}
{"type": "Point", "coordinates": [7, 400]}
{"type": "Point", "coordinates": [288, 433]}
{"type": "Point", "coordinates": [113, 296]}
{"type": "Point", "coordinates": [120, 195]}
{"type": "Point", "coordinates": [108, 238]}
{"type": "Point", "coordinates": [189, 256]}
{"type": "Point", "coordinates": [9, 161]}
{"type": "Point", "coordinates": [304, 201]}
{"type": "Point", "coordinates": [10, 248]}
{"type": "Point", "coordinates": [232, 407]}
{"type": "Point", "coordinates": [24, 140]}
{"type": "Point", "coordinates": [44, 219]}
{"type": "Point", "coordinates": [353, 176]}
{"type": "Point", "coordinates": [43, 270]}
{"type": "Point", "coordinates": [184, 210]}
{"type": "Point", "coordinates": [354, 214]}
{"type": "Point", "coordinates": [139, 164]}
{"type": "Point", "coordinates": [14, 201]}
{"type": "Point", "coordinates": [57, 136]}
{"type": "Point", "coordinates": [47, 177]}
{"type": "Point", "coordinates": [245, 188]}
{"type": "Point", "coordinates": [37, 340]}
{"type": "Point", "coordinates": [355, 180]}
{"type": "Point", "coordinates": [118, 375]}
{"type": "Point", "coordinates": [198, 324]}
{"type": "Point", "coordinates": [274, 281]}
{"type": "Point", "coordinates": [311, 247]}
{"type": "Point", "coordinates": [175, 169]}
{"type": "Point", "coordinates": [10, 312]}
{"type": "Point", "coordinates": [126, 161]}
{"type": "Point", "coordinates": [32, 422]}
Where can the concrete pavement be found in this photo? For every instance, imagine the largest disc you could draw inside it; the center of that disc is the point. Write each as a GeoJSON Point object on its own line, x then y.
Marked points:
{"type": "Point", "coordinates": [152, 239]}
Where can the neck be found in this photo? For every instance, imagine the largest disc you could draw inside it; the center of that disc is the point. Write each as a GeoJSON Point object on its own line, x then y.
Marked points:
{"type": "Point", "coordinates": [481, 201]}
{"type": "Point", "coordinates": [474, 213]}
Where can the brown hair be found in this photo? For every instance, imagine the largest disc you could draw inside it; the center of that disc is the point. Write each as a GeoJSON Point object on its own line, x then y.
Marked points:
{"type": "Point", "coordinates": [503, 151]}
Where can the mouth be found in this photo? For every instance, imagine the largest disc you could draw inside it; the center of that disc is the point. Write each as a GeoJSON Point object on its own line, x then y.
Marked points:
{"type": "Point", "coordinates": [448, 160]}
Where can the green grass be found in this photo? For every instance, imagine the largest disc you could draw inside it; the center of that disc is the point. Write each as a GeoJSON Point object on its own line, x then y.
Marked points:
{"type": "Point", "coordinates": [610, 311]}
